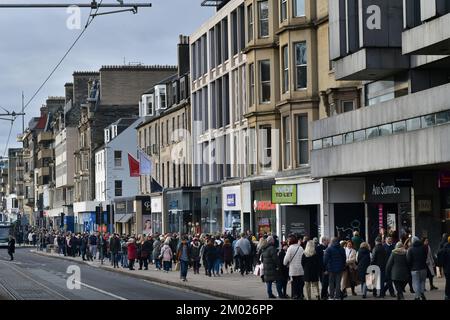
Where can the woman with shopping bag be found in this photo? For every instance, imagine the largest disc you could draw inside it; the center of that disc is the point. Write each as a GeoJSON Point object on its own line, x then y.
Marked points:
{"type": "Point", "coordinates": [350, 276]}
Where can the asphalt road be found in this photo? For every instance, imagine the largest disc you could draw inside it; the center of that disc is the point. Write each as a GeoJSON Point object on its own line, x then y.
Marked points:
{"type": "Point", "coordinates": [35, 277]}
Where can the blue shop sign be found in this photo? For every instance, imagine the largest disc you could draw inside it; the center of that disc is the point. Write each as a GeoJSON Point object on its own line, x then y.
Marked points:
{"type": "Point", "coordinates": [231, 200]}
{"type": "Point", "coordinates": [173, 204]}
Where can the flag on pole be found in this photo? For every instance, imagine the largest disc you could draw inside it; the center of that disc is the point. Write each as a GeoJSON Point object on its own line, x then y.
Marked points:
{"type": "Point", "coordinates": [145, 163]}
{"type": "Point", "coordinates": [134, 166]}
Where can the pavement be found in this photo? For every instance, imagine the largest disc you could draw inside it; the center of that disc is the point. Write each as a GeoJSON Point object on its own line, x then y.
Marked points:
{"type": "Point", "coordinates": [228, 286]}
{"type": "Point", "coordinates": [37, 277]}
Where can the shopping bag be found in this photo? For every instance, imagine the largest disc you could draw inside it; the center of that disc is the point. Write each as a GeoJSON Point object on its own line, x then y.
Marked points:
{"type": "Point", "coordinates": [177, 266]}
{"type": "Point", "coordinates": [259, 270]}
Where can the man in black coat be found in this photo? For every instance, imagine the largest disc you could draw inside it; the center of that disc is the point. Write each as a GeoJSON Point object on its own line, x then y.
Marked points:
{"type": "Point", "coordinates": [115, 247]}
{"type": "Point", "coordinates": [379, 258]}
{"type": "Point", "coordinates": [389, 246]}
{"type": "Point", "coordinates": [11, 247]}
{"type": "Point", "coordinates": [444, 261]}
{"type": "Point", "coordinates": [417, 261]}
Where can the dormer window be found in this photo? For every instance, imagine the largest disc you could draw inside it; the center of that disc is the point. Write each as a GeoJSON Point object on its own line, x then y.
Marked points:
{"type": "Point", "coordinates": [150, 105]}
{"type": "Point", "coordinates": [114, 131]}
{"type": "Point", "coordinates": [160, 97]}
{"type": "Point", "coordinates": [107, 136]}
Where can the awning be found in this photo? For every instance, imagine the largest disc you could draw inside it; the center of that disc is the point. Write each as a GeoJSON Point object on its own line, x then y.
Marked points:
{"type": "Point", "coordinates": [123, 218]}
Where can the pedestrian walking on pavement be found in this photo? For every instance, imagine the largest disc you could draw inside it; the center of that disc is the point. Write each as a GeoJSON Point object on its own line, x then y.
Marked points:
{"type": "Point", "coordinates": [334, 262]}
{"type": "Point", "coordinates": [350, 275]}
{"type": "Point", "coordinates": [11, 247]}
{"type": "Point", "coordinates": [146, 248]}
{"type": "Point", "coordinates": [132, 253]}
{"type": "Point", "coordinates": [271, 267]}
{"type": "Point", "coordinates": [115, 248]}
{"type": "Point", "coordinates": [444, 262]}
{"type": "Point", "coordinates": [156, 252]}
{"type": "Point", "coordinates": [417, 261]}
{"type": "Point", "coordinates": [166, 255]}
{"type": "Point", "coordinates": [284, 271]}
{"type": "Point", "coordinates": [323, 276]}
{"type": "Point", "coordinates": [397, 269]}
{"type": "Point", "coordinates": [363, 262]}
{"type": "Point", "coordinates": [310, 264]}
{"type": "Point", "coordinates": [183, 258]}
{"type": "Point", "coordinates": [379, 258]}
{"type": "Point", "coordinates": [211, 257]}
{"type": "Point", "coordinates": [244, 250]}
{"type": "Point", "coordinates": [389, 246]}
{"type": "Point", "coordinates": [195, 255]}
{"type": "Point", "coordinates": [293, 260]}
{"type": "Point", "coordinates": [228, 255]}
{"type": "Point", "coordinates": [431, 267]}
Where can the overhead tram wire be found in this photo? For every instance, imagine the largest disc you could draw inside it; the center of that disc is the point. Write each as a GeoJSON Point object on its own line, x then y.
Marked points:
{"type": "Point", "coordinates": [9, 136]}
{"type": "Point", "coordinates": [88, 23]}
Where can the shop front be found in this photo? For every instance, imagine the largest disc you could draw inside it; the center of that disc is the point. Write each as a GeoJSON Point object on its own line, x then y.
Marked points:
{"type": "Point", "coordinates": [156, 214]}
{"type": "Point", "coordinates": [444, 189]}
{"type": "Point", "coordinates": [211, 209]}
{"type": "Point", "coordinates": [298, 205]}
{"type": "Point", "coordinates": [264, 211]}
{"type": "Point", "coordinates": [389, 209]}
{"type": "Point", "coordinates": [124, 215]}
{"type": "Point", "coordinates": [183, 210]}
{"type": "Point", "coordinates": [231, 203]}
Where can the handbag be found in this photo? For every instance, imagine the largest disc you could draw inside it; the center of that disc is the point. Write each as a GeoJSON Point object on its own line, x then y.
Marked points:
{"type": "Point", "coordinates": [371, 281]}
{"type": "Point", "coordinates": [259, 270]}
{"type": "Point", "coordinates": [177, 266]}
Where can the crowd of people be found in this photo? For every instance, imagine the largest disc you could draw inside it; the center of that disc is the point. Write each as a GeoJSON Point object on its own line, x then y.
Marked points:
{"type": "Point", "coordinates": [315, 270]}
{"type": "Point", "coordinates": [342, 265]}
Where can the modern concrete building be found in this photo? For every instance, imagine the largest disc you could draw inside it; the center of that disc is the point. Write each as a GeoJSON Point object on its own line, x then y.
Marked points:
{"type": "Point", "coordinates": [386, 165]}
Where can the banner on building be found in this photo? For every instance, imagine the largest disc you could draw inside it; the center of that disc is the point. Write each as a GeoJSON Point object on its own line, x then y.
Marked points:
{"type": "Point", "coordinates": [145, 163]}
{"type": "Point", "coordinates": [134, 166]}
{"type": "Point", "coordinates": [284, 194]}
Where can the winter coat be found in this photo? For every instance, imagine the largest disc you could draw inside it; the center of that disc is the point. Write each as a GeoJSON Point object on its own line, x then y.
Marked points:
{"type": "Point", "coordinates": [397, 266]}
{"type": "Point", "coordinates": [115, 245]}
{"type": "Point", "coordinates": [227, 253]}
{"type": "Point", "coordinates": [334, 259]}
{"type": "Point", "coordinates": [293, 259]}
{"type": "Point", "coordinates": [389, 248]}
{"type": "Point", "coordinates": [417, 257]}
{"type": "Point", "coordinates": [156, 249]}
{"type": "Point", "coordinates": [284, 271]}
{"type": "Point", "coordinates": [132, 251]}
{"type": "Point", "coordinates": [320, 250]}
{"type": "Point", "coordinates": [430, 261]}
{"type": "Point", "coordinates": [166, 253]}
{"type": "Point", "coordinates": [146, 249]}
{"type": "Point", "coordinates": [11, 246]}
{"type": "Point", "coordinates": [210, 253]}
{"type": "Point", "coordinates": [311, 267]}
{"type": "Point", "coordinates": [219, 249]}
{"type": "Point", "coordinates": [379, 257]}
{"type": "Point", "coordinates": [350, 275]}
{"type": "Point", "coordinates": [195, 252]}
{"type": "Point", "coordinates": [363, 262]}
{"type": "Point", "coordinates": [444, 258]}
{"type": "Point", "coordinates": [270, 264]}
{"type": "Point", "coordinates": [243, 247]}
{"type": "Point", "coordinates": [357, 240]}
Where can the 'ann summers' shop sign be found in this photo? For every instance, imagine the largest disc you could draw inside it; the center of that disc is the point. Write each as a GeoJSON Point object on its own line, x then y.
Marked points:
{"type": "Point", "coordinates": [385, 190]}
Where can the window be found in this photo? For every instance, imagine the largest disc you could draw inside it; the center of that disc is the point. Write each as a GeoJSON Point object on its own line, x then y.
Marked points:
{"type": "Point", "coordinates": [252, 147]}
{"type": "Point", "coordinates": [372, 132]}
{"type": "Point", "coordinates": [317, 144]}
{"type": "Point", "coordinates": [348, 137]}
{"type": "Point", "coordinates": [118, 188]}
{"type": "Point", "coordinates": [413, 124]}
{"type": "Point", "coordinates": [252, 84]}
{"type": "Point", "coordinates": [283, 13]}
{"type": "Point", "coordinates": [174, 93]}
{"type": "Point", "coordinates": [117, 158]}
{"type": "Point", "coordinates": [285, 69]}
{"type": "Point", "coordinates": [162, 132]}
{"type": "Point", "coordinates": [442, 117]}
{"type": "Point", "coordinates": [264, 74]}
{"type": "Point", "coordinates": [287, 142]}
{"type": "Point", "coordinates": [173, 130]}
{"type": "Point", "coordinates": [150, 105]}
{"type": "Point", "coordinates": [266, 147]}
{"type": "Point", "coordinates": [163, 182]}
{"type": "Point", "coordinates": [178, 127]}
{"type": "Point", "coordinates": [263, 10]}
{"type": "Point", "coordinates": [162, 98]}
{"type": "Point", "coordinates": [167, 131]}
{"type": "Point", "coordinates": [302, 140]}
{"type": "Point", "coordinates": [327, 142]}
{"type": "Point", "coordinates": [359, 135]}
{"type": "Point", "coordinates": [299, 8]}
{"type": "Point", "coordinates": [347, 106]}
{"type": "Point", "coordinates": [250, 22]}
{"type": "Point", "coordinates": [301, 65]}
{"type": "Point", "coordinates": [399, 126]}
{"type": "Point", "coordinates": [428, 121]}
{"type": "Point", "coordinates": [337, 140]}
{"type": "Point", "coordinates": [386, 130]}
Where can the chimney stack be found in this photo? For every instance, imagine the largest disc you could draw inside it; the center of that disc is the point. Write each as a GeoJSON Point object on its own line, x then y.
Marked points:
{"type": "Point", "coordinates": [183, 55]}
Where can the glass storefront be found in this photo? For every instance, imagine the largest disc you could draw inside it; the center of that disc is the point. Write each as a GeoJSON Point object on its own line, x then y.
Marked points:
{"type": "Point", "coordinates": [183, 211]}
{"type": "Point", "coordinates": [265, 212]}
{"type": "Point", "coordinates": [232, 222]}
{"type": "Point", "coordinates": [211, 210]}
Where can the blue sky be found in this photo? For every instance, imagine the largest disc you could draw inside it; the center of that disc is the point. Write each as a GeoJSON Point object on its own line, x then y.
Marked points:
{"type": "Point", "coordinates": [33, 40]}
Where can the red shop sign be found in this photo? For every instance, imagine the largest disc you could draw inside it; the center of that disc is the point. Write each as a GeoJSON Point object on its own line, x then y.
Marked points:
{"type": "Point", "coordinates": [444, 179]}
{"type": "Point", "coordinates": [264, 205]}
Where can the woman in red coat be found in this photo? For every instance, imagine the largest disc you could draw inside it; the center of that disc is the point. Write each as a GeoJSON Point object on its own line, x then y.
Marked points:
{"type": "Point", "coordinates": [132, 253]}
